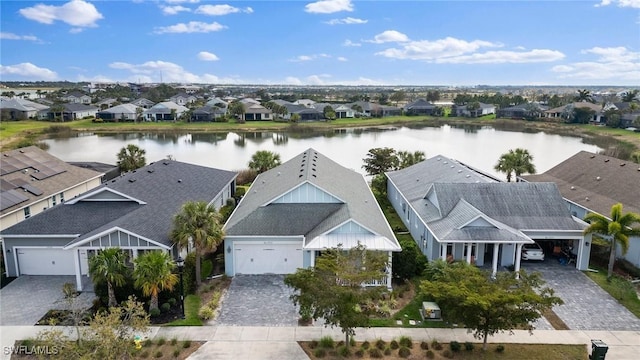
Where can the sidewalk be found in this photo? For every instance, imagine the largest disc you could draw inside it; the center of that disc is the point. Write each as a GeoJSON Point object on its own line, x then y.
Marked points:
{"type": "Point", "coordinates": [234, 342]}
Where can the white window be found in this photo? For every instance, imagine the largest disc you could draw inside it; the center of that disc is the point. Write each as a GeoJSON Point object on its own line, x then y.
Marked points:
{"type": "Point", "coordinates": [53, 200]}
{"type": "Point", "coordinates": [27, 212]}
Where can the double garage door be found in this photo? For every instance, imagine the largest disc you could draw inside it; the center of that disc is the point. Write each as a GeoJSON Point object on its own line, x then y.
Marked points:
{"type": "Point", "coordinates": [45, 261]}
{"type": "Point", "coordinates": [267, 258]}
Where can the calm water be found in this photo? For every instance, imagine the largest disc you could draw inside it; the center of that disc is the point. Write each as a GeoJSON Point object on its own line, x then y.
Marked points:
{"type": "Point", "coordinates": [479, 147]}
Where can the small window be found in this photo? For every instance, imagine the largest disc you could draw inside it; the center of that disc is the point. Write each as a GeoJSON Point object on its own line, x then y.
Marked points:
{"type": "Point", "coordinates": [61, 198]}
{"type": "Point", "coordinates": [27, 212]}
{"type": "Point", "coordinates": [53, 200]}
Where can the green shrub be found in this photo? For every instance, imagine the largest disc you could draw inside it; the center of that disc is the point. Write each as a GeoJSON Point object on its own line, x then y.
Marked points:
{"type": "Point", "coordinates": [147, 343]}
{"type": "Point", "coordinates": [340, 343]}
{"type": "Point", "coordinates": [380, 344]}
{"type": "Point", "coordinates": [326, 342]}
{"type": "Point", "coordinates": [313, 344]}
{"type": "Point", "coordinates": [455, 346]}
{"type": "Point", "coordinates": [394, 344]}
{"type": "Point", "coordinates": [186, 344]}
{"type": "Point", "coordinates": [176, 353]}
{"type": "Point", "coordinates": [375, 353]}
{"type": "Point", "coordinates": [172, 301]}
{"type": "Point", "coordinates": [161, 341]}
{"type": "Point", "coordinates": [144, 354]}
{"type": "Point", "coordinates": [174, 341]}
{"type": "Point", "coordinates": [359, 353]}
{"type": "Point", "coordinates": [158, 354]}
{"type": "Point", "coordinates": [366, 345]}
{"type": "Point", "coordinates": [405, 341]}
{"type": "Point", "coordinates": [436, 345]}
{"type": "Point", "coordinates": [448, 354]}
{"type": "Point", "coordinates": [430, 354]}
{"type": "Point", "coordinates": [344, 351]}
{"type": "Point", "coordinates": [28, 343]}
{"type": "Point", "coordinates": [424, 345]}
{"type": "Point", "coordinates": [387, 351]}
{"type": "Point", "coordinates": [205, 313]}
{"type": "Point", "coordinates": [165, 307]}
{"type": "Point", "coordinates": [468, 346]}
{"type": "Point", "coordinates": [404, 352]}
{"type": "Point", "coordinates": [352, 341]}
{"type": "Point", "coordinates": [154, 312]}
{"type": "Point", "coordinates": [319, 352]}
{"type": "Point", "coordinates": [500, 348]}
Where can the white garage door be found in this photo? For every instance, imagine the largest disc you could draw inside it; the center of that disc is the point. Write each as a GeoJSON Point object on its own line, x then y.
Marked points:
{"type": "Point", "coordinates": [41, 261]}
{"type": "Point", "coordinates": [267, 258]}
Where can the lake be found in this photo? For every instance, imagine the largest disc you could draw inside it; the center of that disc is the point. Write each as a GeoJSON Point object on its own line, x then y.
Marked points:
{"type": "Point", "coordinates": [477, 146]}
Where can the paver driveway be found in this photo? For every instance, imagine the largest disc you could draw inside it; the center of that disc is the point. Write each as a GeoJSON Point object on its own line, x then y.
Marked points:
{"type": "Point", "coordinates": [28, 298]}
{"type": "Point", "coordinates": [257, 300]}
{"type": "Point", "coordinates": [586, 305]}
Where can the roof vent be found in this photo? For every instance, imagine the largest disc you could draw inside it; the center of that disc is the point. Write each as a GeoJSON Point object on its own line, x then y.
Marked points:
{"type": "Point", "coordinates": [468, 176]}
{"type": "Point", "coordinates": [587, 198]}
{"type": "Point", "coordinates": [132, 180]}
{"type": "Point", "coordinates": [452, 166]}
{"type": "Point", "coordinates": [459, 171]}
{"type": "Point", "coordinates": [606, 160]}
{"type": "Point", "coordinates": [592, 156]}
{"type": "Point", "coordinates": [445, 162]}
{"type": "Point", "coordinates": [438, 159]}
{"type": "Point", "coordinates": [150, 171]}
{"type": "Point", "coordinates": [573, 188]}
{"type": "Point", "coordinates": [179, 180]}
{"type": "Point", "coordinates": [623, 164]}
{"type": "Point", "coordinates": [598, 178]}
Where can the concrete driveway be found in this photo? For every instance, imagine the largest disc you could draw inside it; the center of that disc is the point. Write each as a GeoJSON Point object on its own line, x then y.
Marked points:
{"type": "Point", "coordinates": [257, 300]}
{"type": "Point", "coordinates": [28, 298]}
{"type": "Point", "coordinates": [586, 305]}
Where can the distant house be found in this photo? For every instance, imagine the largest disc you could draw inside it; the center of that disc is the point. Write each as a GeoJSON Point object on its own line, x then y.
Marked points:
{"type": "Point", "coordinates": [207, 113]}
{"type": "Point", "coordinates": [133, 212]}
{"type": "Point", "coordinates": [305, 113]}
{"type": "Point", "coordinates": [71, 111]}
{"type": "Point", "coordinates": [32, 180]}
{"type": "Point", "coordinates": [124, 112]}
{"type": "Point", "coordinates": [217, 102]}
{"type": "Point", "coordinates": [143, 103]}
{"type": "Point", "coordinates": [253, 111]}
{"type": "Point", "coordinates": [594, 183]}
{"type": "Point", "coordinates": [419, 107]}
{"type": "Point", "coordinates": [522, 111]}
{"type": "Point", "coordinates": [21, 109]}
{"type": "Point", "coordinates": [343, 111]}
{"type": "Point", "coordinates": [455, 213]}
{"type": "Point", "coordinates": [106, 103]}
{"type": "Point", "coordinates": [565, 112]}
{"type": "Point", "coordinates": [164, 111]}
{"type": "Point", "coordinates": [304, 102]}
{"type": "Point", "coordinates": [77, 97]}
{"type": "Point", "coordinates": [293, 212]}
{"type": "Point", "coordinates": [465, 111]}
{"type": "Point", "coordinates": [183, 99]}
{"type": "Point", "coordinates": [376, 110]}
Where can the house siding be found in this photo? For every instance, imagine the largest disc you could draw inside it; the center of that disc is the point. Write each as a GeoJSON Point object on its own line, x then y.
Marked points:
{"type": "Point", "coordinates": [306, 193]}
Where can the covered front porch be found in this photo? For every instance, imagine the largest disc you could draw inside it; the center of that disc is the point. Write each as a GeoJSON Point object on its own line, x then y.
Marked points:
{"type": "Point", "coordinates": [483, 253]}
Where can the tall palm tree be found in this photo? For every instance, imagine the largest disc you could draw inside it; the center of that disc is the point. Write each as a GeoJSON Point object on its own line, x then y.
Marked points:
{"type": "Point", "coordinates": [198, 224]}
{"type": "Point", "coordinates": [617, 229]}
{"type": "Point", "coordinates": [517, 162]}
{"type": "Point", "coordinates": [264, 160]}
{"type": "Point", "coordinates": [131, 157]}
{"type": "Point", "coordinates": [109, 265]}
{"type": "Point", "coordinates": [153, 272]}
{"type": "Point", "coordinates": [584, 96]}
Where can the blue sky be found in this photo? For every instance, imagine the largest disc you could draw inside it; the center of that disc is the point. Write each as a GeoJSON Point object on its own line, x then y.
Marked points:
{"type": "Point", "coordinates": [325, 42]}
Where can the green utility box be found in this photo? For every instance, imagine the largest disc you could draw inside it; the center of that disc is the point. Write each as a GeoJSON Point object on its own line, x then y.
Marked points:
{"type": "Point", "coordinates": [598, 350]}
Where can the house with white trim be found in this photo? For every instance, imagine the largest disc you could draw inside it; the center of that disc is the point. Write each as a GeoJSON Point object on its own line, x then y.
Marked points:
{"type": "Point", "coordinates": [454, 212]}
{"type": "Point", "coordinates": [133, 212]}
{"type": "Point", "coordinates": [293, 212]}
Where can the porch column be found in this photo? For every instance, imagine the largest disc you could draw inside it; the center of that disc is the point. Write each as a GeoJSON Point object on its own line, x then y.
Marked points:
{"type": "Point", "coordinates": [443, 251]}
{"type": "Point", "coordinates": [76, 265]}
{"type": "Point", "coordinates": [134, 254]}
{"type": "Point", "coordinates": [389, 267]}
{"type": "Point", "coordinates": [469, 247]}
{"type": "Point", "coordinates": [518, 256]}
{"type": "Point", "coordinates": [494, 263]}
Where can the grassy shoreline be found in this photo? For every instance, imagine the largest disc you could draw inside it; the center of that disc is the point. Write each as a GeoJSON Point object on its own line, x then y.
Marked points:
{"type": "Point", "coordinates": [15, 134]}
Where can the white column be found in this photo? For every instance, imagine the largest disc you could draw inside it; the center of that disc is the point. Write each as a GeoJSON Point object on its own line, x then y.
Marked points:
{"type": "Point", "coordinates": [518, 256]}
{"type": "Point", "coordinates": [134, 253]}
{"type": "Point", "coordinates": [443, 251]}
{"type": "Point", "coordinates": [469, 246]}
{"type": "Point", "coordinates": [494, 264]}
{"type": "Point", "coordinates": [312, 258]}
{"type": "Point", "coordinates": [389, 271]}
{"type": "Point", "coordinates": [76, 263]}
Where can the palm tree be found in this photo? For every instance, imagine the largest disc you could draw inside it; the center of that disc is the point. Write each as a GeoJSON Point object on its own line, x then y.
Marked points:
{"type": "Point", "coordinates": [153, 272]}
{"type": "Point", "coordinates": [198, 224]}
{"type": "Point", "coordinates": [584, 96]}
{"type": "Point", "coordinates": [517, 161]}
{"type": "Point", "coordinates": [109, 265]}
{"type": "Point", "coordinates": [617, 230]}
{"type": "Point", "coordinates": [131, 157]}
{"type": "Point", "coordinates": [406, 158]}
{"type": "Point", "coordinates": [264, 160]}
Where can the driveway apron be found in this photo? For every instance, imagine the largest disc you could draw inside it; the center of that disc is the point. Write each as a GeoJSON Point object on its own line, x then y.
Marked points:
{"type": "Point", "coordinates": [257, 300]}
{"type": "Point", "coordinates": [586, 305]}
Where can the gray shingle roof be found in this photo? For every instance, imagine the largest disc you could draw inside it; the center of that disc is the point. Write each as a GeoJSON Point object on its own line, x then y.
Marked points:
{"type": "Point", "coordinates": [163, 186]}
{"type": "Point", "coordinates": [309, 167]}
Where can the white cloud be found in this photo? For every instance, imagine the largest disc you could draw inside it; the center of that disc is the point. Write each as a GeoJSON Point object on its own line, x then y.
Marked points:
{"type": "Point", "coordinates": [76, 13]}
{"type": "Point", "coordinates": [346, 21]}
{"type": "Point", "coordinates": [621, 3]}
{"type": "Point", "coordinates": [190, 27]}
{"type": "Point", "coordinates": [437, 49]}
{"type": "Point", "coordinates": [342, 58]}
{"type": "Point", "coordinates": [173, 10]}
{"type": "Point", "coordinates": [350, 43]}
{"type": "Point", "coordinates": [207, 56]}
{"type": "Point", "coordinates": [76, 30]}
{"type": "Point", "coordinates": [219, 10]}
{"type": "Point", "coordinates": [151, 71]}
{"type": "Point", "coordinates": [28, 70]}
{"type": "Point", "coordinates": [302, 58]}
{"type": "Point", "coordinates": [97, 78]}
{"type": "Point", "coordinates": [612, 64]}
{"type": "Point", "coordinates": [182, 1]}
{"type": "Point", "coordinates": [501, 57]}
{"type": "Point", "coordinates": [389, 36]}
{"type": "Point", "coordinates": [12, 36]}
{"type": "Point", "coordinates": [323, 79]}
{"type": "Point", "coordinates": [328, 6]}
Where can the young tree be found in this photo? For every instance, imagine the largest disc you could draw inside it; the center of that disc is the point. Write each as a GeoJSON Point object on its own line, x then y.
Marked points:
{"type": "Point", "coordinates": [264, 160]}
{"type": "Point", "coordinates": [236, 108]}
{"type": "Point", "coordinates": [616, 229]}
{"type": "Point", "coordinates": [332, 290]}
{"type": "Point", "coordinates": [131, 157]}
{"type": "Point", "coordinates": [468, 295]}
{"type": "Point", "coordinates": [380, 160]}
{"type": "Point", "coordinates": [109, 266]}
{"type": "Point", "coordinates": [153, 272]}
{"type": "Point", "coordinates": [630, 95]}
{"type": "Point", "coordinates": [406, 158]}
{"type": "Point", "coordinates": [329, 113]}
{"type": "Point", "coordinates": [197, 224]}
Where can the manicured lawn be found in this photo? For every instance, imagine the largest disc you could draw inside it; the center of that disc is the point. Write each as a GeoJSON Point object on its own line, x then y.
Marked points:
{"type": "Point", "coordinates": [191, 307]}
{"type": "Point", "coordinates": [621, 289]}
